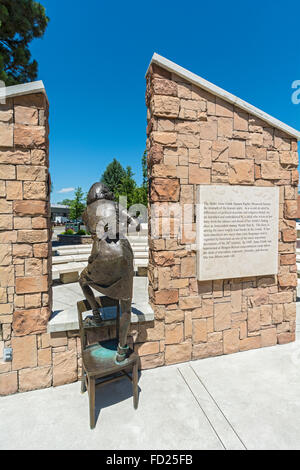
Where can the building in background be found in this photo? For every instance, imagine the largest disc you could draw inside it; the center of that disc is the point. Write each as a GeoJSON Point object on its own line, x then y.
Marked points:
{"type": "Point", "coordinates": [59, 213]}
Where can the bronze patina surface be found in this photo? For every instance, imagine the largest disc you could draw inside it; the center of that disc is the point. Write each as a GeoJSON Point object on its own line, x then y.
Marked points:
{"type": "Point", "coordinates": [110, 266]}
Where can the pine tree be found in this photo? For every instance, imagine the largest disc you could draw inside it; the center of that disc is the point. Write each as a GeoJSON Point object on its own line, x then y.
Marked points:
{"type": "Point", "coordinates": [127, 186]}
{"type": "Point", "coordinates": [20, 22]}
{"type": "Point", "coordinates": [77, 205]}
{"type": "Point", "coordinates": [113, 175]}
{"type": "Point", "coordinates": [140, 195]}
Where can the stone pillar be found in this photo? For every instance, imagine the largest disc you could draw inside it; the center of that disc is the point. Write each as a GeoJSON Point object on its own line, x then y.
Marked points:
{"type": "Point", "coordinates": [195, 137]}
{"type": "Point", "coordinates": [25, 239]}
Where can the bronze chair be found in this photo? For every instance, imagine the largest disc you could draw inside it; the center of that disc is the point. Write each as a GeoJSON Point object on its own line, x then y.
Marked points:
{"type": "Point", "coordinates": [98, 360]}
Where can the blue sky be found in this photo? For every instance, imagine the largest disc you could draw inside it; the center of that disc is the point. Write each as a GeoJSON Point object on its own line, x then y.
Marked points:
{"type": "Point", "coordinates": [94, 56]}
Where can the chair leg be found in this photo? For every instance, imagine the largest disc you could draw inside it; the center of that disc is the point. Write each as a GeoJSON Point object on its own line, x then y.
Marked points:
{"type": "Point", "coordinates": [135, 374]}
{"type": "Point", "coordinates": [91, 390]}
{"type": "Point", "coordinates": [83, 385]}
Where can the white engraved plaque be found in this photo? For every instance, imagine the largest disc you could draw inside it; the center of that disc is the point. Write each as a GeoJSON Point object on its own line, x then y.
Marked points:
{"type": "Point", "coordinates": [237, 231]}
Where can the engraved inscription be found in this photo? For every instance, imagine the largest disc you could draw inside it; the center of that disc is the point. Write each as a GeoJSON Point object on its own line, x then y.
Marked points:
{"type": "Point", "coordinates": [237, 231]}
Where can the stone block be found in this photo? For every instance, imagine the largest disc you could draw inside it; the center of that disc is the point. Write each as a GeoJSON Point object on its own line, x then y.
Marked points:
{"type": "Point", "coordinates": [254, 319]}
{"type": "Point", "coordinates": [24, 352]}
{"type": "Point", "coordinates": [31, 173]}
{"type": "Point", "coordinates": [28, 285]}
{"type": "Point", "coordinates": [165, 106]}
{"type": "Point", "coordinates": [8, 382]}
{"type": "Point", "coordinates": [188, 303]}
{"type": "Point", "coordinates": [145, 349]}
{"type": "Point", "coordinates": [174, 333]}
{"type": "Point", "coordinates": [268, 337]}
{"type": "Point", "coordinates": [290, 209]}
{"type": "Point", "coordinates": [30, 321]}
{"type": "Point", "coordinates": [165, 138]}
{"type": "Point", "coordinates": [166, 296]}
{"type": "Point", "coordinates": [175, 353]}
{"type": "Point", "coordinates": [35, 190]}
{"type": "Point", "coordinates": [240, 120]}
{"type": "Point", "coordinates": [33, 208]}
{"type": "Point", "coordinates": [199, 175]}
{"type": "Point", "coordinates": [64, 368]}
{"type": "Point", "coordinates": [15, 157]}
{"type": "Point", "coordinates": [199, 331]}
{"type": "Point", "coordinates": [6, 222]}
{"type": "Point", "coordinates": [25, 115]}
{"type": "Point", "coordinates": [237, 149]}
{"type": "Point", "coordinates": [151, 361]}
{"type": "Point", "coordinates": [164, 189]}
{"type": "Point", "coordinates": [231, 341]}
{"type": "Point", "coordinates": [241, 172]}
{"type": "Point", "coordinates": [253, 342]}
{"type": "Point", "coordinates": [32, 236]}
{"type": "Point", "coordinates": [33, 300]}
{"type": "Point", "coordinates": [29, 136]}
{"type": "Point", "coordinates": [37, 100]}
{"type": "Point", "coordinates": [39, 157]}
{"type": "Point", "coordinates": [222, 316]}
{"type": "Point", "coordinates": [7, 172]}
{"type": "Point", "coordinates": [200, 351]}
{"type": "Point", "coordinates": [163, 86]}
{"type": "Point", "coordinates": [67, 278]}
{"type": "Point", "coordinates": [284, 338]}
{"type": "Point", "coordinates": [35, 379]}
{"type": "Point", "coordinates": [223, 108]}
{"type": "Point", "coordinates": [21, 223]}
{"type": "Point", "coordinates": [209, 130]}
{"type": "Point", "coordinates": [6, 135]}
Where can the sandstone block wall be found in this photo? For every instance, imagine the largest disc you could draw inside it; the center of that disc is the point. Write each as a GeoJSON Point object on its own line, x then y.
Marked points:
{"type": "Point", "coordinates": [195, 138]}
{"type": "Point", "coordinates": [25, 250]}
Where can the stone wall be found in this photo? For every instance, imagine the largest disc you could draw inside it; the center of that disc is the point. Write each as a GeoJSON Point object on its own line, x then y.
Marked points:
{"type": "Point", "coordinates": [25, 250]}
{"type": "Point", "coordinates": [196, 138]}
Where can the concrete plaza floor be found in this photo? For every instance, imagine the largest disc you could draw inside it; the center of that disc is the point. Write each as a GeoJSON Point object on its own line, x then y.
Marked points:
{"type": "Point", "coordinates": [248, 400]}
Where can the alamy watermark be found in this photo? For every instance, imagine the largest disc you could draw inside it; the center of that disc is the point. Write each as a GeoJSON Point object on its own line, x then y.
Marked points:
{"type": "Point", "coordinates": [296, 94]}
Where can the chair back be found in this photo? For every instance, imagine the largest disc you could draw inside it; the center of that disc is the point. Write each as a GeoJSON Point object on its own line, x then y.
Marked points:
{"type": "Point", "coordinates": [84, 306]}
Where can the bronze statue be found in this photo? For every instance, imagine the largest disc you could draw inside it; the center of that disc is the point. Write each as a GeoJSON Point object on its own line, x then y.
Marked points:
{"type": "Point", "coordinates": [110, 265]}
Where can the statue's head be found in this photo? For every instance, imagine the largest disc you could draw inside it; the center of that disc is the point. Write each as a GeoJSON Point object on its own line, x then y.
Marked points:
{"type": "Point", "coordinates": [99, 191]}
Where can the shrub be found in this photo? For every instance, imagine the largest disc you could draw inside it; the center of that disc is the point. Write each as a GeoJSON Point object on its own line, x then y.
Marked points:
{"type": "Point", "coordinates": [81, 232]}
{"type": "Point", "coordinates": [70, 231]}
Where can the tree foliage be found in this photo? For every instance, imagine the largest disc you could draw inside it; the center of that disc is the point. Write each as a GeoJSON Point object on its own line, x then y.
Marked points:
{"type": "Point", "coordinates": [127, 187]}
{"type": "Point", "coordinates": [113, 175]}
{"type": "Point", "coordinates": [21, 21]}
{"type": "Point", "coordinates": [121, 182]}
{"type": "Point", "coordinates": [66, 202]}
{"type": "Point", "coordinates": [77, 205]}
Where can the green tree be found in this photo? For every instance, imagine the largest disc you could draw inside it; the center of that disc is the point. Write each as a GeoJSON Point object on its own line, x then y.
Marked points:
{"type": "Point", "coordinates": [145, 168]}
{"type": "Point", "coordinates": [20, 22]}
{"type": "Point", "coordinates": [77, 205]}
{"type": "Point", "coordinates": [140, 195]}
{"type": "Point", "coordinates": [127, 186]}
{"type": "Point", "coordinates": [66, 202]}
{"type": "Point", "coordinates": [113, 175]}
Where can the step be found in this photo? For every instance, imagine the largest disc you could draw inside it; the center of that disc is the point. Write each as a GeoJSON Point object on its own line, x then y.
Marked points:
{"type": "Point", "coordinates": [56, 260]}
{"type": "Point", "coordinates": [78, 251]}
{"type": "Point", "coordinates": [72, 252]}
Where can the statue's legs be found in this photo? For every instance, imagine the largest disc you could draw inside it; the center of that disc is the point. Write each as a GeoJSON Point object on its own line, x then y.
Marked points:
{"type": "Point", "coordinates": [89, 294]}
{"type": "Point", "coordinates": [125, 320]}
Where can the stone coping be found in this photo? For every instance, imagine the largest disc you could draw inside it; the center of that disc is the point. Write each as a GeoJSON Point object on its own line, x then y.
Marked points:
{"type": "Point", "coordinates": [65, 318]}
{"type": "Point", "coordinates": [23, 89]}
{"type": "Point", "coordinates": [225, 95]}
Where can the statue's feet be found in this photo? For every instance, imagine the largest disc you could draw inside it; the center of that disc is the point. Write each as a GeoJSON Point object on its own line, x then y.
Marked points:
{"type": "Point", "coordinates": [122, 353]}
{"type": "Point", "coordinates": [97, 315]}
